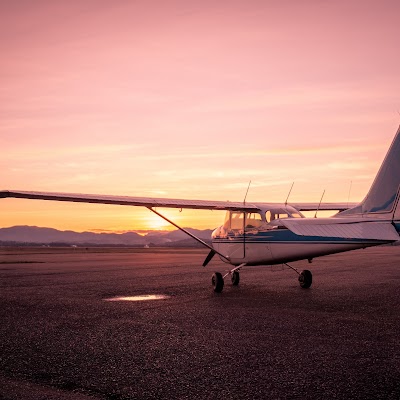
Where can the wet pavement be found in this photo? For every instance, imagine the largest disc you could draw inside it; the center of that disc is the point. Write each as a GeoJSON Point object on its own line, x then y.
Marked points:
{"type": "Point", "coordinates": [265, 339]}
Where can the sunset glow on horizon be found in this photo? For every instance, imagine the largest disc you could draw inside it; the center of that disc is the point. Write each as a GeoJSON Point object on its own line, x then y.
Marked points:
{"type": "Point", "coordinates": [185, 99]}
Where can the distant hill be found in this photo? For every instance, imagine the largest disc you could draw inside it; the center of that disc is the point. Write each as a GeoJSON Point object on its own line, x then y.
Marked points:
{"type": "Point", "coordinates": [48, 236]}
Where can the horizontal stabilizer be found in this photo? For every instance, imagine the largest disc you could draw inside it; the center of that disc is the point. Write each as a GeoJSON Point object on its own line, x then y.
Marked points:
{"type": "Point", "coordinates": [323, 206]}
{"type": "Point", "coordinates": [342, 229]}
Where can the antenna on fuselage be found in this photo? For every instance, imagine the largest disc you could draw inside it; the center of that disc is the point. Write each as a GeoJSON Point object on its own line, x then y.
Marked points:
{"type": "Point", "coordinates": [290, 191]}
{"type": "Point", "coordinates": [319, 205]}
{"type": "Point", "coordinates": [247, 191]}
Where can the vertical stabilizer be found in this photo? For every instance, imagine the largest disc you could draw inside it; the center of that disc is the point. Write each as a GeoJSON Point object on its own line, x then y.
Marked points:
{"type": "Point", "coordinates": [382, 195]}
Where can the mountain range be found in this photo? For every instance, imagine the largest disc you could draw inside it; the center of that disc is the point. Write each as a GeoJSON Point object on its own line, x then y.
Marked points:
{"type": "Point", "coordinates": [34, 235]}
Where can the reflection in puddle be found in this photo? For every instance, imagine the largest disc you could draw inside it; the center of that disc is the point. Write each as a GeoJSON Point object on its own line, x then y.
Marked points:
{"type": "Point", "coordinates": [143, 297]}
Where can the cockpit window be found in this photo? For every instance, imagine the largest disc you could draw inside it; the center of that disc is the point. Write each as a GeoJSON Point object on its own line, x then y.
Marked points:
{"type": "Point", "coordinates": [236, 220]}
{"type": "Point", "coordinates": [227, 221]}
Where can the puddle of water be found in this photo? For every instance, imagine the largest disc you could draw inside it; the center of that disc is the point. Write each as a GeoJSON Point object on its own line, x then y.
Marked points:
{"type": "Point", "coordinates": [143, 297]}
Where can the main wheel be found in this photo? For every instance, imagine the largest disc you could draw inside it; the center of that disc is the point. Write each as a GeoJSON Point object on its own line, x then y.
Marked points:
{"type": "Point", "coordinates": [218, 282]}
{"type": "Point", "coordinates": [235, 278]}
{"type": "Point", "coordinates": [305, 279]}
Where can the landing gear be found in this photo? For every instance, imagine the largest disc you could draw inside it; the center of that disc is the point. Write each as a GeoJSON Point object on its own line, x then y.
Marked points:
{"type": "Point", "coordinates": [218, 282]}
{"type": "Point", "coordinates": [217, 279]}
{"type": "Point", "coordinates": [305, 279]}
{"type": "Point", "coordinates": [235, 278]}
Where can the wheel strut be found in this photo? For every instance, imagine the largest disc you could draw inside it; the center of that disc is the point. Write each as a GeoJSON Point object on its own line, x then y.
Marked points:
{"type": "Point", "coordinates": [305, 276]}
{"type": "Point", "coordinates": [238, 268]}
{"type": "Point", "coordinates": [234, 273]}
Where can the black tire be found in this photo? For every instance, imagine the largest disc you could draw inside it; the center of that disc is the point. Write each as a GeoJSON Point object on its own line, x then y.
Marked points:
{"type": "Point", "coordinates": [235, 278]}
{"type": "Point", "coordinates": [218, 282]}
{"type": "Point", "coordinates": [305, 279]}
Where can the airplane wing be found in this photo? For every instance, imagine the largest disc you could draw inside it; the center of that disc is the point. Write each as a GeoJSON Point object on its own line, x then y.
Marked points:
{"type": "Point", "coordinates": [323, 206]}
{"type": "Point", "coordinates": [162, 202]}
{"type": "Point", "coordinates": [130, 200]}
{"type": "Point", "coordinates": [342, 228]}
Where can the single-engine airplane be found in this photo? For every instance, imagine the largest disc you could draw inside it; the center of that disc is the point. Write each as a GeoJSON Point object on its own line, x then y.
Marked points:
{"type": "Point", "coordinates": [270, 233]}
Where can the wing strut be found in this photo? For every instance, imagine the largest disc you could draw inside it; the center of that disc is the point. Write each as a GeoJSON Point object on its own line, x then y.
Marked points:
{"type": "Point", "coordinates": [188, 233]}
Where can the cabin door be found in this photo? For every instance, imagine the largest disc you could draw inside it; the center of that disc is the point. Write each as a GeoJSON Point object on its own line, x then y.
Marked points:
{"type": "Point", "coordinates": [237, 235]}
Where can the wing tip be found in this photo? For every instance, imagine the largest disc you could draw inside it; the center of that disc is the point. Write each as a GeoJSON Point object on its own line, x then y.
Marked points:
{"type": "Point", "coordinates": [4, 193]}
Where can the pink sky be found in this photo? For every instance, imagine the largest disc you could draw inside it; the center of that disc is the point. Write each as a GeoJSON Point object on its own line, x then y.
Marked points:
{"type": "Point", "coordinates": [190, 99]}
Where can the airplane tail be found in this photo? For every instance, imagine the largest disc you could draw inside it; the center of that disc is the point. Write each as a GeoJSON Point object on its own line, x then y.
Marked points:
{"type": "Point", "coordinates": [382, 200]}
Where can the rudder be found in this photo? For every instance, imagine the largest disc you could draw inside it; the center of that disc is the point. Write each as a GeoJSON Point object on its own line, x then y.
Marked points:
{"type": "Point", "coordinates": [383, 194]}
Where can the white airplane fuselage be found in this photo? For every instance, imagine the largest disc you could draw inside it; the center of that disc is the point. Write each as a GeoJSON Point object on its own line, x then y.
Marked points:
{"type": "Point", "coordinates": [268, 253]}
{"type": "Point", "coordinates": [263, 240]}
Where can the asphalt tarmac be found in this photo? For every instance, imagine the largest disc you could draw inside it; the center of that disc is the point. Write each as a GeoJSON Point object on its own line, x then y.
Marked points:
{"type": "Point", "coordinates": [61, 337]}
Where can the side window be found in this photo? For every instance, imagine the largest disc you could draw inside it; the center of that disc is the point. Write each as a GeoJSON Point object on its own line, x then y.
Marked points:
{"type": "Point", "coordinates": [282, 215]}
{"type": "Point", "coordinates": [253, 220]}
{"type": "Point", "coordinates": [295, 215]}
{"type": "Point", "coordinates": [270, 216]}
{"type": "Point", "coordinates": [275, 214]}
{"type": "Point", "coordinates": [237, 220]}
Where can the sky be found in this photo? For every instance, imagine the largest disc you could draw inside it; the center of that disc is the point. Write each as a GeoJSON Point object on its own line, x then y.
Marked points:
{"type": "Point", "coordinates": [190, 99]}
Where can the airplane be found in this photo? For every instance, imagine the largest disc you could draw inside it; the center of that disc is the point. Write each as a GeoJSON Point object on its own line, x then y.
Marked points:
{"type": "Point", "coordinates": [265, 234]}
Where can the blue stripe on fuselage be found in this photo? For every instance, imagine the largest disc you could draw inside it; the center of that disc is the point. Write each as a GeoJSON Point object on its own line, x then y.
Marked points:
{"type": "Point", "coordinates": [287, 236]}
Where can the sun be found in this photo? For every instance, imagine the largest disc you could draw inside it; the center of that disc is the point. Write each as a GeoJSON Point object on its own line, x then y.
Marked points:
{"type": "Point", "coordinates": [154, 222]}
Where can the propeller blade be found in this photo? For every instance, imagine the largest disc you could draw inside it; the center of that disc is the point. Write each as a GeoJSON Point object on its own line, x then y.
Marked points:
{"type": "Point", "coordinates": [211, 254]}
